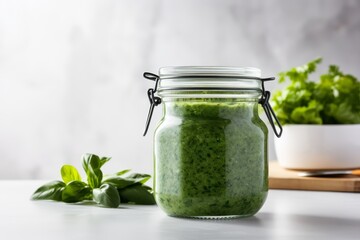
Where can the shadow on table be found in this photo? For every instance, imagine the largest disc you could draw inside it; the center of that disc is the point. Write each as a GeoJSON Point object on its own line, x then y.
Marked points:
{"type": "Point", "coordinates": [265, 219]}
{"type": "Point", "coordinates": [263, 225]}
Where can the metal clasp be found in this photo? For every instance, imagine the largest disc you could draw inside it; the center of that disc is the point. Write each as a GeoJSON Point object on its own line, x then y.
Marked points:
{"type": "Point", "coordinates": [264, 101]}
{"type": "Point", "coordinates": [154, 100]}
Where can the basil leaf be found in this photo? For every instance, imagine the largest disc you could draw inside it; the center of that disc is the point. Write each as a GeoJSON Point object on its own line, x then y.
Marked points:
{"type": "Point", "coordinates": [69, 173]}
{"type": "Point", "coordinates": [139, 177]}
{"type": "Point", "coordinates": [49, 191]}
{"type": "Point", "coordinates": [122, 172]}
{"type": "Point", "coordinates": [76, 191]}
{"type": "Point", "coordinates": [122, 182]}
{"type": "Point", "coordinates": [104, 160]}
{"type": "Point", "coordinates": [106, 177]}
{"type": "Point", "coordinates": [119, 182]}
{"type": "Point", "coordinates": [107, 196]}
{"type": "Point", "coordinates": [137, 194]}
{"type": "Point", "coordinates": [92, 165]}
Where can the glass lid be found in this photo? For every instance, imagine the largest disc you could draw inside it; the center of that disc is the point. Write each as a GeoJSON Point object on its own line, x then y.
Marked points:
{"type": "Point", "coordinates": [207, 71]}
{"type": "Point", "coordinates": [192, 77]}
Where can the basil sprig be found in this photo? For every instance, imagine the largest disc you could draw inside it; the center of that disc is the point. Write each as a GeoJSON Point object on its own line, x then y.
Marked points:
{"type": "Point", "coordinates": [106, 191]}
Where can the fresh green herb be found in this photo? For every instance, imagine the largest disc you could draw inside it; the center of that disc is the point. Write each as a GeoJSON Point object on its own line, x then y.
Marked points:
{"type": "Point", "coordinates": [76, 191]}
{"type": "Point", "coordinates": [69, 173]}
{"type": "Point", "coordinates": [334, 99]}
{"type": "Point", "coordinates": [92, 164]}
{"type": "Point", "coordinates": [105, 191]}
{"type": "Point", "coordinates": [52, 191]}
{"type": "Point", "coordinates": [107, 195]}
{"type": "Point", "coordinates": [138, 194]}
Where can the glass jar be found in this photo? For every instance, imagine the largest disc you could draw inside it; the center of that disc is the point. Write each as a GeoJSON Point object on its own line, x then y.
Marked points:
{"type": "Point", "coordinates": [210, 147]}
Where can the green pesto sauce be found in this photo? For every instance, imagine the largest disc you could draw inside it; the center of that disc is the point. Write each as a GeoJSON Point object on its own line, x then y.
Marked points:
{"type": "Point", "coordinates": [211, 159]}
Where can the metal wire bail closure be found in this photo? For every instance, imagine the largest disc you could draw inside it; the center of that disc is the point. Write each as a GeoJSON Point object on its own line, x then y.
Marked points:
{"type": "Point", "coordinates": [270, 114]}
{"type": "Point", "coordinates": [264, 101]}
{"type": "Point", "coordinates": [154, 100]}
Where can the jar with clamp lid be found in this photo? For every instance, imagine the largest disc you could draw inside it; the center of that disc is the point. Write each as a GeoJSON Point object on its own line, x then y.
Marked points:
{"type": "Point", "coordinates": [210, 147]}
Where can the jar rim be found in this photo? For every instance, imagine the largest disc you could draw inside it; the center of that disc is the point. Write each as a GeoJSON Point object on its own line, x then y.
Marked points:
{"type": "Point", "coordinates": [207, 78]}
{"type": "Point", "coordinates": [209, 71]}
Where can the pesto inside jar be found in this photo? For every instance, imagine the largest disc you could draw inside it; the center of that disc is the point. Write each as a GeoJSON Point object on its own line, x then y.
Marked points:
{"type": "Point", "coordinates": [211, 158]}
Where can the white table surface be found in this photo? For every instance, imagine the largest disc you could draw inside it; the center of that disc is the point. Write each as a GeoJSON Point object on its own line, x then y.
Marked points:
{"type": "Point", "coordinates": [285, 215]}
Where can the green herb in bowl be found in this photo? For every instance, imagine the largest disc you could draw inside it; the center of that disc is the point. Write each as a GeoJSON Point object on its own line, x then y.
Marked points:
{"type": "Point", "coordinates": [321, 119]}
{"type": "Point", "coordinates": [334, 99]}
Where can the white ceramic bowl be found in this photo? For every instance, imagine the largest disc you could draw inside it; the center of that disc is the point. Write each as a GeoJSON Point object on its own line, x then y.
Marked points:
{"type": "Point", "coordinates": [311, 147]}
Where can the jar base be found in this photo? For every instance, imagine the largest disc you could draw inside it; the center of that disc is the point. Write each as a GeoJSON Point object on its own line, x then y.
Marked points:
{"type": "Point", "coordinates": [226, 217]}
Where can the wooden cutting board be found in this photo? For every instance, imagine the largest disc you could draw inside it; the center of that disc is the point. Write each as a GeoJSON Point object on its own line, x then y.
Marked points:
{"type": "Point", "coordinates": [280, 178]}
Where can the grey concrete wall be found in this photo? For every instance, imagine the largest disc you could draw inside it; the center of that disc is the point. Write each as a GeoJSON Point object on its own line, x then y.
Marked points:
{"type": "Point", "coordinates": [70, 71]}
